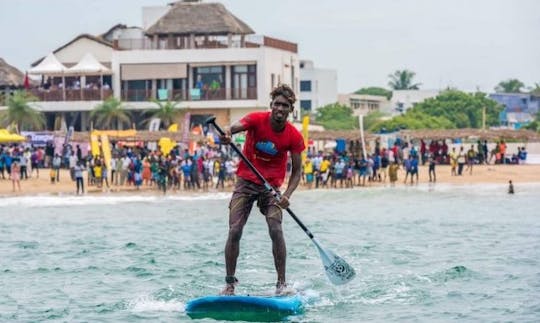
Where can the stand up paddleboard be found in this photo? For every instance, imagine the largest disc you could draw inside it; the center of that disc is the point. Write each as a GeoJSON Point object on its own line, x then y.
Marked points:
{"type": "Point", "coordinates": [245, 308]}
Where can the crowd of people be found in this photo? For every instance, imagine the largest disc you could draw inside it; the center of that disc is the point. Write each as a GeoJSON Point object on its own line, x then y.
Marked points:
{"type": "Point", "coordinates": [214, 168]}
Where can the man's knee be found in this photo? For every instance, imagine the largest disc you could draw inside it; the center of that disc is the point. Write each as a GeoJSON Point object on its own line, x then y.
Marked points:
{"type": "Point", "coordinates": [235, 232]}
{"type": "Point", "coordinates": [274, 229]}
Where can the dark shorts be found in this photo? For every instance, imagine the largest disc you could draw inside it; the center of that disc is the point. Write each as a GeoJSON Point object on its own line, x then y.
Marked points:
{"type": "Point", "coordinates": [244, 195]}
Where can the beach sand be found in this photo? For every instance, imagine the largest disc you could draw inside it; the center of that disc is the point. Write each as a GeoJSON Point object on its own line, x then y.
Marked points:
{"type": "Point", "coordinates": [492, 174]}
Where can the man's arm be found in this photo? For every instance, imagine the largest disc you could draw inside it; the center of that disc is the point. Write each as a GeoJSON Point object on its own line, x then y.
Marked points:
{"type": "Point", "coordinates": [235, 128]}
{"type": "Point", "coordinates": [296, 175]}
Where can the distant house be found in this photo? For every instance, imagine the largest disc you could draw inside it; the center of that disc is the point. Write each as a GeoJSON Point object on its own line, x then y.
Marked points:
{"type": "Point", "coordinates": [403, 100]}
{"type": "Point", "coordinates": [519, 108]}
{"type": "Point", "coordinates": [362, 104]}
{"type": "Point", "coordinates": [318, 87]}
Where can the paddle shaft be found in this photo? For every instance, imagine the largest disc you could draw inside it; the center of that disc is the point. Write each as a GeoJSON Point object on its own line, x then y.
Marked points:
{"type": "Point", "coordinates": [269, 187]}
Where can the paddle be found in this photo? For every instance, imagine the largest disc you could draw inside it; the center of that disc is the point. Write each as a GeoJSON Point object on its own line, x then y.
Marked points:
{"type": "Point", "coordinates": [338, 270]}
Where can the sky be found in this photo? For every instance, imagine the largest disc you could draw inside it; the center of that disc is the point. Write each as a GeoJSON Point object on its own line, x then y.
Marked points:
{"type": "Point", "coordinates": [464, 44]}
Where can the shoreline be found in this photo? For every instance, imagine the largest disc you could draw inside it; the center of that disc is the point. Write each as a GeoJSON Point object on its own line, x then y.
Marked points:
{"type": "Point", "coordinates": [482, 174]}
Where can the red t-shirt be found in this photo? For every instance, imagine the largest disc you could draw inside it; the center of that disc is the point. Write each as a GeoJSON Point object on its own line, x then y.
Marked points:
{"type": "Point", "coordinates": [267, 149]}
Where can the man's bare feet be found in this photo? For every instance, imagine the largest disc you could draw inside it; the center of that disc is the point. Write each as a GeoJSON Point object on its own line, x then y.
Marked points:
{"type": "Point", "coordinates": [281, 289]}
{"type": "Point", "coordinates": [228, 290]}
{"type": "Point", "coordinates": [231, 282]}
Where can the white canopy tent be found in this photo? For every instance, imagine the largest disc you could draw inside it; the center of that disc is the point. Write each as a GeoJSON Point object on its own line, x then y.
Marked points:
{"type": "Point", "coordinates": [89, 65]}
{"type": "Point", "coordinates": [50, 66]}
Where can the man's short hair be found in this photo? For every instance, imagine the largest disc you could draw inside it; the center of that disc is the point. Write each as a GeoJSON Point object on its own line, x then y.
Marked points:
{"type": "Point", "coordinates": [284, 90]}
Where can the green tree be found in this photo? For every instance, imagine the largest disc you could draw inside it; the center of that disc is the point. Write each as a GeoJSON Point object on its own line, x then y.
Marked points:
{"type": "Point", "coordinates": [168, 112]}
{"type": "Point", "coordinates": [336, 117]}
{"type": "Point", "coordinates": [535, 90]}
{"type": "Point", "coordinates": [373, 90]}
{"type": "Point", "coordinates": [110, 114]}
{"type": "Point", "coordinates": [510, 86]}
{"type": "Point", "coordinates": [20, 112]}
{"type": "Point", "coordinates": [450, 109]}
{"type": "Point", "coordinates": [403, 80]}
{"type": "Point", "coordinates": [412, 120]}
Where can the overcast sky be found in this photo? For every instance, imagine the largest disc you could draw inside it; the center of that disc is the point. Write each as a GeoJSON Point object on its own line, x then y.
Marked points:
{"type": "Point", "coordinates": [466, 44]}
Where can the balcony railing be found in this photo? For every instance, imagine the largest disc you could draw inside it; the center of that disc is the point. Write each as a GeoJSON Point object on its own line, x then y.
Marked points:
{"type": "Point", "coordinates": [211, 42]}
{"type": "Point", "coordinates": [146, 95]}
{"type": "Point", "coordinates": [191, 94]}
{"type": "Point", "coordinates": [71, 94]}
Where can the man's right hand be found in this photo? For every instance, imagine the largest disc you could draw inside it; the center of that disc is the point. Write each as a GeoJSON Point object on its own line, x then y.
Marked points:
{"type": "Point", "coordinates": [226, 138]}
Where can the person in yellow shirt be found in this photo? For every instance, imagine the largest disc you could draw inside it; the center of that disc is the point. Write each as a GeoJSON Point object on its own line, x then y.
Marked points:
{"type": "Point", "coordinates": [308, 172]}
{"type": "Point", "coordinates": [325, 170]}
{"type": "Point", "coordinates": [98, 173]}
{"type": "Point", "coordinates": [453, 161]}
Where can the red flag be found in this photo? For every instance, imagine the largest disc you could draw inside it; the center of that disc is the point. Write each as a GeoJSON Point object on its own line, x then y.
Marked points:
{"type": "Point", "coordinates": [26, 81]}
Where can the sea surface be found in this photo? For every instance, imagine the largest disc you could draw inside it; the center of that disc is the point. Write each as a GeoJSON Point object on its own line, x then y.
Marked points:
{"type": "Point", "coordinates": [422, 253]}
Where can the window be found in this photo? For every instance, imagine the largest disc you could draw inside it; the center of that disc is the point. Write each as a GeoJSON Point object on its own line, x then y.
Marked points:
{"type": "Point", "coordinates": [305, 105]}
{"type": "Point", "coordinates": [244, 81]}
{"type": "Point", "coordinates": [305, 86]}
{"type": "Point", "coordinates": [208, 83]}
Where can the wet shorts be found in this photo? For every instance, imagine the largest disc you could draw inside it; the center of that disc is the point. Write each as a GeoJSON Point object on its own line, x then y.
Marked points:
{"type": "Point", "coordinates": [245, 193]}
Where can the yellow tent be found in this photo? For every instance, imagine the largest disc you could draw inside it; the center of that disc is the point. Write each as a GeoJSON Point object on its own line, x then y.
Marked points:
{"type": "Point", "coordinates": [5, 136]}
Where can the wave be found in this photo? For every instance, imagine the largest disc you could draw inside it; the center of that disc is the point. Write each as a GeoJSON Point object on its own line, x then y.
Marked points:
{"type": "Point", "coordinates": [73, 200]}
{"type": "Point", "coordinates": [150, 304]}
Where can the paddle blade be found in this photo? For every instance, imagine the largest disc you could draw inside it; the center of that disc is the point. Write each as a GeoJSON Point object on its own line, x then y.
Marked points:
{"type": "Point", "coordinates": [339, 272]}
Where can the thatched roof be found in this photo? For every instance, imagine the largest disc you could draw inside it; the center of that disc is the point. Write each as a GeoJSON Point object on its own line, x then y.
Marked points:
{"type": "Point", "coordinates": [9, 75]}
{"type": "Point", "coordinates": [432, 134]}
{"type": "Point", "coordinates": [186, 18]}
{"type": "Point", "coordinates": [140, 135]}
{"type": "Point", "coordinates": [472, 134]}
{"type": "Point", "coordinates": [339, 134]}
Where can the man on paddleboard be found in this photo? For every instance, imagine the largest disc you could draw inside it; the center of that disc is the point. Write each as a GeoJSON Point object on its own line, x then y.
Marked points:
{"type": "Point", "coordinates": [270, 137]}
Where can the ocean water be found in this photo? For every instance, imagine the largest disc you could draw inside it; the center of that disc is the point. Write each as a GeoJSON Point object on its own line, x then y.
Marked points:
{"type": "Point", "coordinates": [423, 253]}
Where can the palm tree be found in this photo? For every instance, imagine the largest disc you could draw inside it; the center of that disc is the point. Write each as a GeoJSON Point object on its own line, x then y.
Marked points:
{"type": "Point", "coordinates": [535, 90]}
{"type": "Point", "coordinates": [510, 86]}
{"type": "Point", "coordinates": [110, 114]}
{"type": "Point", "coordinates": [168, 112]}
{"type": "Point", "coordinates": [403, 80]}
{"type": "Point", "coordinates": [20, 113]}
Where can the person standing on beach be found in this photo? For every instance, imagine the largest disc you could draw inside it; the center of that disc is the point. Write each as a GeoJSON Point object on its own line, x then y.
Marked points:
{"type": "Point", "coordinates": [270, 137]}
{"type": "Point", "coordinates": [16, 175]}
{"type": "Point", "coordinates": [431, 163]}
{"type": "Point", "coordinates": [78, 171]}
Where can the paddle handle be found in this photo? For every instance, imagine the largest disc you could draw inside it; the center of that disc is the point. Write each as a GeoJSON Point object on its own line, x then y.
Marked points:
{"type": "Point", "coordinates": [212, 120]}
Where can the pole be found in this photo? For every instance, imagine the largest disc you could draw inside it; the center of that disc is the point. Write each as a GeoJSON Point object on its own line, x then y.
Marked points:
{"type": "Point", "coordinates": [361, 121]}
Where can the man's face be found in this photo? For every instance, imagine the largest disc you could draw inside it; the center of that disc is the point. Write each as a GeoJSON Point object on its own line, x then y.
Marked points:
{"type": "Point", "coordinates": [280, 109]}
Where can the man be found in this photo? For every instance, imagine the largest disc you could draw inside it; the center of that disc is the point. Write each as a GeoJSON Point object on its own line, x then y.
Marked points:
{"type": "Point", "coordinates": [269, 137]}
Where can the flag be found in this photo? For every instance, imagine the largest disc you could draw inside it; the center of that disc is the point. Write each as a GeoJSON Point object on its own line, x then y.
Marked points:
{"type": "Point", "coordinates": [305, 127]}
{"type": "Point", "coordinates": [26, 81]}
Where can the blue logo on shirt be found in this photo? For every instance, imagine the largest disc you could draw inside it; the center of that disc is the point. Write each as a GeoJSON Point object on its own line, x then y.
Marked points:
{"type": "Point", "coordinates": [267, 147]}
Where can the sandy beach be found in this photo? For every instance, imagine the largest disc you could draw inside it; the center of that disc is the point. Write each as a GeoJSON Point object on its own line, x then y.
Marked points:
{"type": "Point", "coordinates": [492, 174]}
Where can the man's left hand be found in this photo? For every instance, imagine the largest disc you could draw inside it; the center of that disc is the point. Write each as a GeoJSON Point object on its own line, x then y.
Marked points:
{"type": "Point", "coordinates": [283, 202]}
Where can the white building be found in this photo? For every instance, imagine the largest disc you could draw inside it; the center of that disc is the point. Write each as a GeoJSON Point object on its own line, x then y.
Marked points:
{"type": "Point", "coordinates": [362, 104]}
{"type": "Point", "coordinates": [196, 53]}
{"type": "Point", "coordinates": [402, 100]}
{"type": "Point", "coordinates": [318, 87]}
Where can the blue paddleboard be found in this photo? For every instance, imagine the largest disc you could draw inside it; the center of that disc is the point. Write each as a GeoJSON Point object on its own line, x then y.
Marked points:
{"type": "Point", "coordinates": [245, 308]}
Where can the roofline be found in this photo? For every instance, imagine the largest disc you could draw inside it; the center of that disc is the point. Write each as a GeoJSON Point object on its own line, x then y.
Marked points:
{"type": "Point", "coordinates": [91, 37]}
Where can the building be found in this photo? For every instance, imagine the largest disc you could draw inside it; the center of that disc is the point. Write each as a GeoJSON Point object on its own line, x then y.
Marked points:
{"type": "Point", "coordinates": [517, 102]}
{"type": "Point", "coordinates": [196, 53]}
{"type": "Point", "coordinates": [519, 108]}
{"type": "Point", "coordinates": [362, 104]}
{"type": "Point", "coordinates": [318, 87]}
{"type": "Point", "coordinates": [403, 100]}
